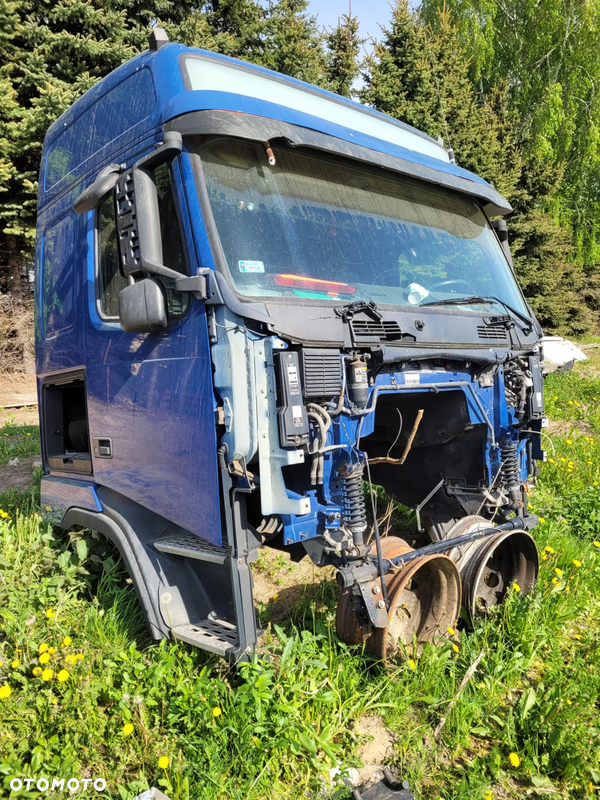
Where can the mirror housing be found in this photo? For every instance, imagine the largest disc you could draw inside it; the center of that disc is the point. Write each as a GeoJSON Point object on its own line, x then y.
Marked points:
{"type": "Point", "coordinates": [143, 307]}
{"type": "Point", "coordinates": [501, 228]}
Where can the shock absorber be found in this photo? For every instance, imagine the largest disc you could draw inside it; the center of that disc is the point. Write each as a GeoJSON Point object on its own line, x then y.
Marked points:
{"type": "Point", "coordinates": [354, 510]}
{"type": "Point", "coordinates": [509, 470]}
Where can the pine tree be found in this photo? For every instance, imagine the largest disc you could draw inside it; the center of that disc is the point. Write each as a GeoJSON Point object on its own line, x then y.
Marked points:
{"type": "Point", "coordinates": [242, 22]}
{"type": "Point", "coordinates": [343, 45]}
{"type": "Point", "coordinates": [294, 44]}
{"type": "Point", "coordinates": [50, 55]}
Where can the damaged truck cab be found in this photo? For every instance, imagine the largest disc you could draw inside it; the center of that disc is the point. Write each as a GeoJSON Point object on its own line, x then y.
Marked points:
{"type": "Point", "coordinates": [253, 296]}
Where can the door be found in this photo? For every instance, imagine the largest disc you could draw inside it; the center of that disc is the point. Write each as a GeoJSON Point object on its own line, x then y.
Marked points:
{"type": "Point", "coordinates": [150, 397]}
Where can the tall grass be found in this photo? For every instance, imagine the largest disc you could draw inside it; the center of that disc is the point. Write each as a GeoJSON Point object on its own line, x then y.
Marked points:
{"type": "Point", "coordinates": [526, 724]}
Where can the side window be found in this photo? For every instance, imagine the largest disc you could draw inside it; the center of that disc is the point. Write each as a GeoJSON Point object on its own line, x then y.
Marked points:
{"type": "Point", "coordinates": [58, 276]}
{"type": "Point", "coordinates": [110, 279]}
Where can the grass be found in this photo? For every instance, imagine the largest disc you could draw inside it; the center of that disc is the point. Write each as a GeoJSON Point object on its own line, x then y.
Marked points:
{"type": "Point", "coordinates": [18, 441]}
{"type": "Point", "coordinates": [274, 728]}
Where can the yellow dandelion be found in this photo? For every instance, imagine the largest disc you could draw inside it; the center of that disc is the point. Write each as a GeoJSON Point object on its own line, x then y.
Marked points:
{"type": "Point", "coordinates": [542, 520]}
{"type": "Point", "coordinates": [544, 557]}
{"type": "Point", "coordinates": [569, 702]}
{"type": "Point", "coordinates": [590, 787]}
{"type": "Point", "coordinates": [596, 544]}
{"type": "Point", "coordinates": [549, 549]}
{"type": "Point", "coordinates": [37, 671]}
{"type": "Point", "coordinates": [216, 711]}
{"type": "Point", "coordinates": [63, 676]}
{"type": "Point", "coordinates": [47, 675]}
{"type": "Point", "coordinates": [569, 441]}
{"type": "Point", "coordinates": [558, 571]}
{"type": "Point", "coordinates": [551, 461]}
{"type": "Point", "coordinates": [15, 664]}
{"type": "Point", "coordinates": [275, 596]}
{"type": "Point", "coordinates": [127, 729]}
{"type": "Point", "coordinates": [66, 641]}
{"type": "Point", "coordinates": [451, 631]}
{"type": "Point", "coordinates": [411, 664]}
{"type": "Point", "coordinates": [577, 562]}
{"type": "Point", "coordinates": [52, 650]}
{"type": "Point", "coordinates": [564, 460]}
{"type": "Point", "coordinates": [555, 581]}
{"type": "Point", "coordinates": [487, 795]}
{"type": "Point", "coordinates": [514, 759]}
{"type": "Point", "coordinates": [577, 636]}
{"type": "Point", "coordinates": [570, 402]}
{"type": "Point", "coordinates": [516, 587]}
{"type": "Point", "coordinates": [50, 613]}
{"type": "Point", "coordinates": [567, 588]}
{"type": "Point", "coordinates": [47, 508]}
{"type": "Point", "coordinates": [42, 648]}
{"type": "Point", "coordinates": [455, 647]}
{"type": "Point", "coordinates": [5, 691]}
{"type": "Point", "coordinates": [44, 658]}
{"type": "Point", "coordinates": [163, 762]}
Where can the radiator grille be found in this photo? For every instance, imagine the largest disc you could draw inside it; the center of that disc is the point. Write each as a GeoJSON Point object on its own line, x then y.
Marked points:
{"type": "Point", "coordinates": [381, 329]}
{"type": "Point", "coordinates": [497, 332]}
{"type": "Point", "coordinates": [321, 372]}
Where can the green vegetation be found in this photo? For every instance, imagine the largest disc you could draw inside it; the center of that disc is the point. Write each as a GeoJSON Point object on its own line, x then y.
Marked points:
{"type": "Point", "coordinates": [18, 441]}
{"type": "Point", "coordinates": [107, 702]}
{"type": "Point", "coordinates": [511, 87]}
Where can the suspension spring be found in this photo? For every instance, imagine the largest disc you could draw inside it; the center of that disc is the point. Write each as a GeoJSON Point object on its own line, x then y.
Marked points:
{"type": "Point", "coordinates": [509, 469]}
{"type": "Point", "coordinates": [354, 510]}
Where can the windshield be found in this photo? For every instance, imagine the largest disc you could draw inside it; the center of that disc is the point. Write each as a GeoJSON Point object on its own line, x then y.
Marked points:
{"type": "Point", "coordinates": [323, 228]}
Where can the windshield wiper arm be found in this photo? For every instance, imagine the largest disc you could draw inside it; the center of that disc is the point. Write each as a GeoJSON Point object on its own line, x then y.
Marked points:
{"type": "Point", "coordinates": [455, 301]}
{"type": "Point", "coordinates": [474, 299]}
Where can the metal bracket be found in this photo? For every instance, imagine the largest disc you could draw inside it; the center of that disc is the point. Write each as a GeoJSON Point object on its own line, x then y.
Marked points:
{"type": "Point", "coordinates": [374, 603]}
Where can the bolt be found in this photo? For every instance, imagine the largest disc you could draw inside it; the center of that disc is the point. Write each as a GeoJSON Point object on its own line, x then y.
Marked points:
{"type": "Point", "coordinates": [376, 590]}
{"type": "Point", "coordinates": [381, 604]}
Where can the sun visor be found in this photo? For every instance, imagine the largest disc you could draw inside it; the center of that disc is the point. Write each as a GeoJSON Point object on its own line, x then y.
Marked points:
{"type": "Point", "coordinates": [407, 162]}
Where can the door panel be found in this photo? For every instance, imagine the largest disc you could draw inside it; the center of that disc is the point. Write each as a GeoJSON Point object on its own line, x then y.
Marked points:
{"type": "Point", "coordinates": [151, 394]}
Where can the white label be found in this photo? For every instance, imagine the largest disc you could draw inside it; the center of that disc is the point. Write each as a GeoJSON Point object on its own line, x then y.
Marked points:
{"type": "Point", "coordinates": [297, 415]}
{"type": "Point", "coordinates": [412, 378]}
{"type": "Point", "coordinates": [293, 378]}
{"type": "Point", "coordinates": [251, 266]}
{"type": "Point", "coordinates": [538, 398]}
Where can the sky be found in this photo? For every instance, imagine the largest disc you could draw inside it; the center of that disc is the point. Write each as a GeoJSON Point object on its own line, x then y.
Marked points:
{"type": "Point", "coordinates": [371, 14]}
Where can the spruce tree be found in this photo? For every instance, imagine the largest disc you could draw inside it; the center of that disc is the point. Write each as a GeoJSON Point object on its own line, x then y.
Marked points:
{"type": "Point", "coordinates": [343, 45]}
{"type": "Point", "coordinates": [294, 44]}
{"type": "Point", "coordinates": [51, 53]}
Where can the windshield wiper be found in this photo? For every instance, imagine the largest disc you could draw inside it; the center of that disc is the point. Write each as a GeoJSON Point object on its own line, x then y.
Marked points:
{"type": "Point", "coordinates": [474, 300]}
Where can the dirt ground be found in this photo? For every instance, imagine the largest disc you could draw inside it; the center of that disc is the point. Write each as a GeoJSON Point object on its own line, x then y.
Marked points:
{"type": "Point", "coordinates": [18, 399]}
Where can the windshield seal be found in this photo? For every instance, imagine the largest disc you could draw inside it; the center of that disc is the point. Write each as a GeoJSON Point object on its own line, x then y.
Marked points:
{"type": "Point", "coordinates": [342, 181]}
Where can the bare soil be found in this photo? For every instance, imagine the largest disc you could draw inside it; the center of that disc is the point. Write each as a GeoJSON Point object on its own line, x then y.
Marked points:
{"type": "Point", "coordinates": [19, 476]}
{"type": "Point", "coordinates": [18, 399]}
{"type": "Point", "coordinates": [280, 583]}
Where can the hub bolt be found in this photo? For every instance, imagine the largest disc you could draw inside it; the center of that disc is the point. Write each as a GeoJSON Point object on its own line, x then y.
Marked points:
{"type": "Point", "coordinates": [381, 604]}
{"type": "Point", "coordinates": [376, 590]}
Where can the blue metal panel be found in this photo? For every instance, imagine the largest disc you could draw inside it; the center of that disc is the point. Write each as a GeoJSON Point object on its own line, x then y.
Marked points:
{"type": "Point", "coordinates": [58, 495]}
{"type": "Point", "coordinates": [159, 414]}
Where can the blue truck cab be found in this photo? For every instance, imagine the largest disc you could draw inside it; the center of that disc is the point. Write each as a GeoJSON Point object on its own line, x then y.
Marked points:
{"type": "Point", "coordinates": [252, 295]}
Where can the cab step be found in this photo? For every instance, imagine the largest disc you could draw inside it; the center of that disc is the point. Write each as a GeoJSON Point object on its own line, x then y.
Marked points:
{"type": "Point", "coordinates": [215, 635]}
{"type": "Point", "coordinates": [190, 546]}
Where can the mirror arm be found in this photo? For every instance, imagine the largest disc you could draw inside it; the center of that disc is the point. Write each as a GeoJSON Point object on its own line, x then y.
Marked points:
{"type": "Point", "coordinates": [104, 183]}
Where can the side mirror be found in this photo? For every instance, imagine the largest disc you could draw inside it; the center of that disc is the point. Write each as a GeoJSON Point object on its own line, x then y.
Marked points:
{"type": "Point", "coordinates": [501, 228]}
{"type": "Point", "coordinates": [143, 307]}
